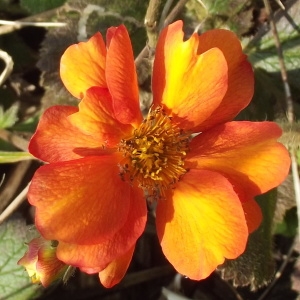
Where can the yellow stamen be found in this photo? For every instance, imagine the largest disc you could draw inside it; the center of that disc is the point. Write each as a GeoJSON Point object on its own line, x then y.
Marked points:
{"type": "Point", "coordinates": [154, 155]}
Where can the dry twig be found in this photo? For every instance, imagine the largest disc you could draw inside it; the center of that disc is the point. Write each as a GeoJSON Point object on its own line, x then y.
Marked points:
{"type": "Point", "coordinates": [13, 183]}
{"type": "Point", "coordinates": [8, 66]}
{"type": "Point", "coordinates": [172, 15]}
{"type": "Point", "coordinates": [14, 139]}
{"type": "Point", "coordinates": [290, 117]}
{"type": "Point", "coordinates": [14, 204]}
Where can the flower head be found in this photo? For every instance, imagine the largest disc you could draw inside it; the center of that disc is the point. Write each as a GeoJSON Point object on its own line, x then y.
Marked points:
{"type": "Point", "coordinates": [41, 262]}
{"type": "Point", "coordinates": [105, 162]}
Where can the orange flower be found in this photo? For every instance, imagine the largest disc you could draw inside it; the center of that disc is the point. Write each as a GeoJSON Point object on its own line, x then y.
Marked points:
{"type": "Point", "coordinates": [105, 162]}
{"type": "Point", "coordinates": [41, 262]}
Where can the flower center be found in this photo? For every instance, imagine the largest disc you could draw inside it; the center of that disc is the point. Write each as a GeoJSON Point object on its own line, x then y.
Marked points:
{"type": "Point", "coordinates": [154, 155]}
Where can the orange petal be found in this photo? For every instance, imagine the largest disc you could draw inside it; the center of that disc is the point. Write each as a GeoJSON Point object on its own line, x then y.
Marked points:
{"type": "Point", "coordinates": [190, 86]}
{"type": "Point", "coordinates": [109, 35]}
{"type": "Point", "coordinates": [55, 138]}
{"type": "Point", "coordinates": [247, 153]}
{"type": "Point", "coordinates": [99, 255]}
{"type": "Point", "coordinates": [240, 75]}
{"type": "Point", "coordinates": [121, 77]}
{"type": "Point", "coordinates": [82, 201]}
{"type": "Point", "coordinates": [201, 224]}
{"type": "Point", "coordinates": [65, 134]}
{"type": "Point", "coordinates": [83, 66]}
{"type": "Point", "coordinates": [253, 214]}
{"type": "Point", "coordinates": [96, 118]}
{"type": "Point", "coordinates": [116, 270]}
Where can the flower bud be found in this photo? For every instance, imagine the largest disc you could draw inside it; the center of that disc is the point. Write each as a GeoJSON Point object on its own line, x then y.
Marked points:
{"type": "Point", "coordinates": [41, 263]}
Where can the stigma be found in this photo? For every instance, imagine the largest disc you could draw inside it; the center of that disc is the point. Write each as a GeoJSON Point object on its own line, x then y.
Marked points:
{"type": "Point", "coordinates": [154, 155]}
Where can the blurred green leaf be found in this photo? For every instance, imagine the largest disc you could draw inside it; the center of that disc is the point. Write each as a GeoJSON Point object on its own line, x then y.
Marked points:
{"type": "Point", "coordinates": [9, 117]}
{"type": "Point", "coordinates": [235, 15]}
{"type": "Point", "coordinates": [267, 58]}
{"type": "Point", "coordinates": [217, 6]}
{"type": "Point", "coordinates": [6, 146]}
{"type": "Point", "coordinates": [29, 125]}
{"type": "Point", "coordinates": [9, 7]}
{"type": "Point", "coordinates": [255, 267]}
{"type": "Point", "coordinates": [289, 226]}
{"type": "Point", "coordinates": [268, 102]}
{"type": "Point", "coordinates": [14, 281]}
{"type": "Point", "coordinates": [34, 6]}
{"type": "Point", "coordinates": [262, 50]}
{"type": "Point", "coordinates": [11, 157]}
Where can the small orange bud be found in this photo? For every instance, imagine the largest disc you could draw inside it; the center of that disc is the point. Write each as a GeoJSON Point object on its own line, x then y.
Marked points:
{"type": "Point", "coordinates": [41, 263]}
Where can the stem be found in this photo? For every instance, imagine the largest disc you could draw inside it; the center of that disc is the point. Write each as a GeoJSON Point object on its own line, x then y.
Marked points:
{"type": "Point", "coordinates": [289, 105]}
{"type": "Point", "coordinates": [175, 11]}
{"type": "Point", "coordinates": [173, 14]}
{"type": "Point", "coordinates": [151, 22]}
{"type": "Point", "coordinates": [14, 205]}
{"type": "Point", "coordinates": [8, 66]}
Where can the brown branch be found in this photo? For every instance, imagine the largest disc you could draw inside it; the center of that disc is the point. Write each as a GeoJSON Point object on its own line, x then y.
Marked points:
{"type": "Point", "coordinates": [14, 204]}
{"type": "Point", "coordinates": [151, 22]}
{"type": "Point", "coordinates": [288, 96]}
{"type": "Point", "coordinates": [45, 15]}
{"type": "Point", "coordinates": [279, 272]}
{"type": "Point", "coordinates": [171, 16]}
{"type": "Point", "coordinates": [175, 12]}
{"type": "Point", "coordinates": [12, 184]}
{"type": "Point", "coordinates": [290, 117]}
{"type": "Point", "coordinates": [14, 139]}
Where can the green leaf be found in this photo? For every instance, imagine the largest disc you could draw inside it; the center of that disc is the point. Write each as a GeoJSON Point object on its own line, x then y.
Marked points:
{"type": "Point", "coordinates": [14, 281]}
{"type": "Point", "coordinates": [289, 226]}
{"type": "Point", "coordinates": [29, 125]}
{"type": "Point", "coordinates": [235, 15]}
{"type": "Point", "coordinates": [34, 6]}
{"type": "Point", "coordinates": [263, 52]}
{"type": "Point", "coordinates": [218, 6]}
{"type": "Point", "coordinates": [12, 157]}
{"type": "Point", "coordinates": [9, 117]}
{"type": "Point", "coordinates": [255, 267]}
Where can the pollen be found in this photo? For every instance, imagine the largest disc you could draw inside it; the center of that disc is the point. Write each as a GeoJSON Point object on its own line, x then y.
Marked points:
{"type": "Point", "coordinates": [154, 155]}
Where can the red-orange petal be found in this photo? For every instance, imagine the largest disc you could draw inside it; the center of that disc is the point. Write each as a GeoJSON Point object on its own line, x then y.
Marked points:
{"type": "Point", "coordinates": [240, 75]}
{"type": "Point", "coordinates": [55, 138]}
{"type": "Point", "coordinates": [121, 77]}
{"type": "Point", "coordinates": [82, 201]}
{"type": "Point", "coordinates": [253, 214]}
{"type": "Point", "coordinates": [247, 153]}
{"type": "Point", "coordinates": [116, 270]}
{"type": "Point", "coordinates": [201, 224]}
{"type": "Point", "coordinates": [188, 85]}
{"type": "Point", "coordinates": [83, 66]}
{"type": "Point", "coordinates": [96, 118]}
{"type": "Point", "coordinates": [64, 133]}
{"type": "Point", "coordinates": [100, 255]}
